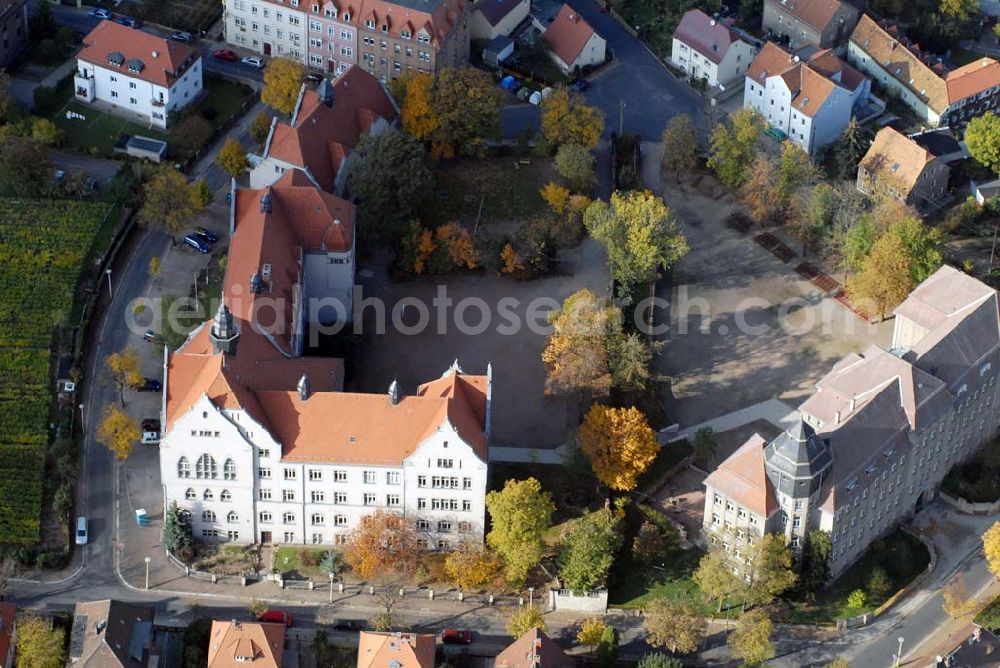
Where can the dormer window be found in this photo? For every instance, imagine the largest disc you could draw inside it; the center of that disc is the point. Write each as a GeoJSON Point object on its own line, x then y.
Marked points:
{"type": "Point", "coordinates": [385, 27]}
{"type": "Point", "coordinates": [370, 24]}
{"type": "Point", "coordinates": [329, 14]}
{"type": "Point", "coordinates": [315, 9]}
{"type": "Point", "coordinates": [405, 34]}
{"type": "Point", "coordinates": [347, 17]}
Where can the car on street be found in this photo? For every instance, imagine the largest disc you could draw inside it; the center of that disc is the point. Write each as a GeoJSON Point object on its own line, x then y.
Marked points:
{"type": "Point", "coordinates": [81, 530]}
{"type": "Point", "coordinates": [312, 78]}
{"type": "Point", "coordinates": [579, 85]}
{"type": "Point", "coordinates": [456, 637]}
{"type": "Point", "coordinates": [101, 13]}
{"type": "Point", "coordinates": [181, 36]}
{"type": "Point", "coordinates": [150, 438]}
{"type": "Point", "coordinates": [197, 243]}
{"type": "Point", "coordinates": [206, 234]}
{"type": "Point", "coordinates": [276, 617]}
{"type": "Point", "coordinates": [253, 61]}
{"type": "Point", "coordinates": [127, 21]}
{"type": "Point", "coordinates": [349, 625]}
{"type": "Point", "coordinates": [151, 424]}
{"type": "Point", "coordinates": [148, 385]}
{"type": "Point", "coordinates": [150, 336]}
{"type": "Point", "coordinates": [228, 55]}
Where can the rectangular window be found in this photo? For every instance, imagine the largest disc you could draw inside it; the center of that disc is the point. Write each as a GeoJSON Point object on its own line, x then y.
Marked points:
{"type": "Point", "coordinates": [317, 519]}
{"type": "Point", "coordinates": [291, 474]}
{"type": "Point", "coordinates": [265, 494]}
{"type": "Point", "coordinates": [317, 539]}
{"type": "Point", "coordinates": [421, 481]}
{"type": "Point", "coordinates": [445, 463]}
{"type": "Point", "coordinates": [340, 475]}
{"type": "Point", "coordinates": [340, 520]}
{"type": "Point", "coordinates": [288, 518]}
{"type": "Point", "coordinates": [444, 526]}
{"type": "Point", "coordinates": [423, 525]}
{"type": "Point", "coordinates": [369, 499]}
{"type": "Point", "coordinates": [392, 499]}
{"type": "Point", "coordinates": [392, 477]}
{"type": "Point", "coordinates": [466, 483]}
{"type": "Point", "coordinates": [466, 505]}
{"type": "Point", "coordinates": [369, 477]}
{"type": "Point", "coordinates": [289, 536]}
{"type": "Point", "coordinates": [318, 496]}
{"type": "Point", "coordinates": [264, 453]}
{"type": "Point", "coordinates": [264, 473]}
{"type": "Point", "coordinates": [340, 498]}
{"type": "Point", "coordinates": [265, 517]}
{"type": "Point", "coordinates": [287, 495]}
{"type": "Point", "coordinates": [421, 504]}
{"type": "Point", "coordinates": [315, 474]}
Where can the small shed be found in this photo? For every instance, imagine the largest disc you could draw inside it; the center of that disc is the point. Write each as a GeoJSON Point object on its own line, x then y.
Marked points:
{"type": "Point", "coordinates": [498, 50]}
{"type": "Point", "coordinates": [146, 147]}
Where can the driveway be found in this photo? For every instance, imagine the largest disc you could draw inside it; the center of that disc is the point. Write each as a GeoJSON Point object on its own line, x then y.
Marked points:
{"type": "Point", "coordinates": [96, 168]}
{"type": "Point", "coordinates": [652, 96]}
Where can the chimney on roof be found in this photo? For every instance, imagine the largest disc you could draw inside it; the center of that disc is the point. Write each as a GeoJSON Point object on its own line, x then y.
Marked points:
{"type": "Point", "coordinates": [394, 392]}
{"type": "Point", "coordinates": [155, 54]}
{"type": "Point", "coordinates": [265, 203]}
{"type": "Point", "coordinates": [224, 335]}
{"type": "Point", "coordinates": [303, 387]}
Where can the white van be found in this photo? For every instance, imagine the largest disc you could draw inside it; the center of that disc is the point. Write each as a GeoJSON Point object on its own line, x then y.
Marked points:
{"type": "Point", "coordinates": [150, 438]}
{"type": "Point", "coordinates": [81, 530]}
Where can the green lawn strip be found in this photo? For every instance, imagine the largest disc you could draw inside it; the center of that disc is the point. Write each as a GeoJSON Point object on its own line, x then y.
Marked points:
{"type": "Point", "coordinates": [288, 561]}
{"type": "Point", "coordinates": [989, 617]}
{"type": "Point", "coordinates": [224, 97]}
{"type": "Point", "coordinates": [633, 585]}
{"type": "Point", "coordinates": [903, 558]}
{"type": "Point", "coordinates": [508, 192]}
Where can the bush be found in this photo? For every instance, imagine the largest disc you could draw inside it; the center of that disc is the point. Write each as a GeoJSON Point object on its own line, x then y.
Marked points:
{"type": "Point", "coordinates": [858, 599]}
{"type": "Point", "coordinates": [309, 558]}
{"type": "Point", "coordinates": [879, 584]}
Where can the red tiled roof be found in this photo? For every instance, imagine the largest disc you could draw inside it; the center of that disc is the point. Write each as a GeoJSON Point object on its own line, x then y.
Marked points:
{"type": "Point", "coordinates": [814, 13]}
{"type": "Point", "coordinates": [320, 136]}
{"type": "Point", "coordinates": [568, 34]}
{"type": "Point", "coordinates": [972, 79]}
{"type": "Point", "coordinates": [398, 650]}
{"type": "Point", "coordinates": [810, 82]}
{"type": "Point", "coordinates": [164, 61]}
{"type": "Point", "coordinates": [742, 478]}
{"type": "Point", "coordinates": [705, 35]}
{"type": "Point", "coordinates": [534, 649]}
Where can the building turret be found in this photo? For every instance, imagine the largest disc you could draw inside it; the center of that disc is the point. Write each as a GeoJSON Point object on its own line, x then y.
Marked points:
{"type": "Point", "coordinates": [797, 461]}
{"type": "Point", "coordinates": [224, 334]}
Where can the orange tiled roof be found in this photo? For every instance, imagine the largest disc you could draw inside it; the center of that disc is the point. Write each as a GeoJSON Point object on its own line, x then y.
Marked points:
{"type": "Point", "coordinates": [742, 478]}
{"type": "Point", "coordinates": [972, 79]}
{"type": "Point", "coordinates": [163, 61]}
{"type": "Point", "coordinates": [437, 18]}
{"type": "Point", "coordinates": [534, 649]}
{"type": "Point", "coordinates": [319, 137]}
{"type": "Point", "coordinates": [399, 650]}
{"type": "Point", "coordinates": [815, 13]}
{"type": "Point", "coordinates": [897, 158]}
{"type": "Point", "coordinates": [240, 644]}
{"type": "Point", "coordinates": [568, 34]}
{"type": "Point", "coordinates": [810, 82]}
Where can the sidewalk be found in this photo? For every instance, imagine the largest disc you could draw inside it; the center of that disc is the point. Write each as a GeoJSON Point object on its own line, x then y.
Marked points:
{"type": "Point", "coordinates": [774, 411]}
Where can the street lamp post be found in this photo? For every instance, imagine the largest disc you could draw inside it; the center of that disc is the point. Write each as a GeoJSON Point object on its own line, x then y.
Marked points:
{"type": "Point", "coordinates": [107, 272]}
{"type": "Point", "coordinates": [147, 560]}
{"type": "Point", "coordinates": [531, 595]}
{"type": "Point", "coordinates": [330, 574]}
{"type": "Point", "coordinates": [82, 424]}
{"type": "Point", "coordinates": [899, 654]}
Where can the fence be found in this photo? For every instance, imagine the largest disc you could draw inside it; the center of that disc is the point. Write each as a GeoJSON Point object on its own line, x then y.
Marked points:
{"type": "Point", "coordinates": [565, 600]}
{"type": "Point", "coordinates": [968, 507]}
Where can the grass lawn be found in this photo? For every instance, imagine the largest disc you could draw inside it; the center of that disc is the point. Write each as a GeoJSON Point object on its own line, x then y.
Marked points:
{"type": "Point", "coordinates": [223, 97]}
{"type": "Point", "coordinates": [989, 617]}
{"type": "Point", "coordinates": [288, 561]}
{"type": "Point", "coordinates": [902, 556]}
{"type": "Point", "coordinates": [978, 479]}
{"type": "Point", "coordinates": [633, 585]}
{"type": "Point", "coordinates": [572, 493]}
{"type": "Point", "coordinates": [668, 457]}
{"type": "Point", "coordinates": [509, 190]}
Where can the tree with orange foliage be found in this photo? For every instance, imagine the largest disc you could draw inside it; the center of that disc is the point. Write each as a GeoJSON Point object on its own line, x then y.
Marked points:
{"type": "Point", "coordinates": [510, 259]}
{"type": "Point", "coordinates": [474, 565]}
{"type": "Point", "coordinates": [556, 196]}
{"type": "Point", "coordinates": [420, 118]}
{"type": "Point", "coordinates": [619, 443]}
{"type": "Point", "coordinates": [385, 548]}
{"type": "Point", "coordinates": [459, 243]}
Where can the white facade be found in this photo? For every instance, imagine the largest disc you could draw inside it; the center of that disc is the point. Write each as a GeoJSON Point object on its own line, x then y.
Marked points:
{"type": "Point", "coordinates": [226, 470]}
{"type": "Point", "coordinates": [125, 89]}
{"type": "Point", "coordinates": [696, 65]}
{"type": "Point", "coordinates": [274, 30]}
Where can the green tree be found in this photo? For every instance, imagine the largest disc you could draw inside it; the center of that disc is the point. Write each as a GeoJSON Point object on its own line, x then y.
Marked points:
{"type": "Point", "coordinates": [733, 145]}
{"type": "Point", "coordinates": [759, 191]}
{"type": "Point", "coordinates": [590, 632]}
{"type": "Point", "coordinates": [577, 354]}
{"type": "Point", "coordinates": [260, 128]}
{"type": "Point", "coordinates": [202, 193]}
{"type": "Point", "coordinates": [884, 279]}
{"type": "Point", "coordinates": [715, 577]}
{"type": "Point", "coordinates": [704, 445]}
{"type": "Point", "coordinates": [25, 169]}
{"type": "Point", "coordinates": [567, 120]}
{"type": "Point", "coordinates": [523, 619]}
{"type": "Point", "coordinates": [282, 84]}
{"type": "Point", "coordinates": [232, 158]}
{"type": "Point", "coordinates": [924, 245]}
{"type": "Point", "coordinates": [607, 648]}
{"type": "Point", "coordinates": [9, 108]}
{"type": "Point", "coordinates": [177, 536]}
{"type": "Point", "coordinates": [795, 170]}
{"type": "Point", "coordinates": [168, 201]}
{"type": "Point", "coordinates": [857, 599]}
{"type": "Point", "coordinates": [575, 163]}
{"type": "Point", "coordinates": [751, 640]}
{"type": "Point", "coordinates": [839, 663]}
{"type": "Point", "coordinates": [45, 132]}
{"type": "Point", "coordinates": [680, 146]}
{"type": "Point", "coordinates": [631, 360]}
{"type": "Point", "coordinates": [982, 137]}
{"type": "Point", "coordinates": [468, 110]}
{"type": "Point", "coordinates": [38, 643]}
{"type": "Point", "coordinates": [388, 173]}
{"type": "Point", "coordinates": [849, 148]}
{"type": "Point", "coordinates": [812, 214]}
{"type": "Point", "coordinates": [879, 584]}
{"type": "Point", "coordinates": [677, 625]}
{"type": "Point", "coordinates": [857, 242]}
{"type": "Point", "coordinates": [519, 515]}
{"type": "Point", "coordinates": [589, 549]}
{"type": "Point", "coordinates": [125, 370]}
{"type": "Point", "coordinates": [815, 563]}
{"type": "Point", "coordinates": [960, 9]}
{"type": "Point", "coordinates": [191, 133]}
{"type": "Point", "coordinates": [639, 233]}
{"type": "Point", "coordinates": [659, 660]}
{"type": "Point", "coordinates": [257, 607]}
{"type": "Point", "coordinates": [771, 571]}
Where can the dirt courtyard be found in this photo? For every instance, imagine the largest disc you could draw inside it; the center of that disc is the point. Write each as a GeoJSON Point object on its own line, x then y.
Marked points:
{"type": "Point", "coordinates": [522, 415]}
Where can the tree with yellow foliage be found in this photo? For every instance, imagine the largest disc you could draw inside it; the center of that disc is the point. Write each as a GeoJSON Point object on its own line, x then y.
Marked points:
{"type": "Point", "coordinates": [124, 368]}
{"type": "Point", "coordinates": [556, 196]}
{"type": "Point", "coordinates": [991, 548]}
{"type": "Point", "coordinates": [567, 120]}
{"type": "Point", "coordinates": [510, 260]}
{"type": "Point", "coordinates": [474, 565]}
{"type": "Point", "coordinates": [420, 119]}
{"type": "Point", "coordinates": [884, 279]}
{"type": "Point", "coordinates": [459, 243]}
{"type": "Point", "coordinates": [525, 618]}
{"type": "Point", "coordinates": [282, 84]}
{"type": "Point", "coordinates": [956, 600]}
{"type": "Point", "coordinates": [577, 354]}
{"type": "Point", "coordinates": [232, 158]}
{"type": "Point", "coordinates": [590, 632]}
{"type": "Point", "coordinates": [619, 443]}
{"type": "Point", "coordinates": [118, 431]}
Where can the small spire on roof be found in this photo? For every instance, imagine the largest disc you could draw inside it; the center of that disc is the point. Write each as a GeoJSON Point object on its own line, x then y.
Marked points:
{"type": "Point", "coordinates": [303, 387]}
{"type": "Point", "coordinates": [394, 392]}
{"type": "Point", "coordinates": [454, 368]}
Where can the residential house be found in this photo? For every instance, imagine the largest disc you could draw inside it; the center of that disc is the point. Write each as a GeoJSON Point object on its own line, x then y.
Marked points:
{"type": "Point", "coordinates": [402, 37]}
{"type": "Point", "coordinates": [878, 435]}
{"type": "Point", "coordinates": [534, 649]}
{"type": "Point", "coordinates": [268, 27]}
{"type": "Point", "coordinates": [325, 126]}
{"type": "Point", "coordinates": [572, 43]}
{"type": "Point", "coordinates": [898, 167]}
{"type": "Point", "coordinates": [936, 94]}
{"type": "Point", "coordinates": [980, 650]}
{"type": "Point", "coordinates": [811, 101]}
{"type": "Point", "coordinates": [704, 48]}
{"type": "Point", "coordinates": [13, 30]}
{"type": "Point", "coordinates": [136, 74]}
{"type": "Point", "coordinates": [396, 650]}
{"type": "Point", "coordinates": [498, 18]}
{"type": "Point", "coordinates": [237, 644]}
{"type": "Point", "coordinates": [985, 191]}
{"type": "Point", "coordinates": [263, 445]}
{"type": "Point", "coordinates": [8, 618]}
{"type": "Point", "coordinates": [823, 24]}
{"type": "Point", "coordinates": [333, 37]}
{"type": "Point", "coordinates": [111, 634]}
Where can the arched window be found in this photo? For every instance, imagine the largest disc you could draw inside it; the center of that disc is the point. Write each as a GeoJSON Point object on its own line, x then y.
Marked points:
{"type": "Point", "coordinates": [232, 517]}
{"type": "Point", "coordinates": [207, 516]}
{"type": "Point", "coordinates": [205, 468]}
{"type": "Point", "coordinates": [190, 494]}
{"type": "Point", "coordinates": [183, 468]}
{"type": "Point", "coordinates": [208, 495]}
{"type": "Point", "coordinates": [226, 496]}
{"type": "Point", "coordinates": [229, 470]}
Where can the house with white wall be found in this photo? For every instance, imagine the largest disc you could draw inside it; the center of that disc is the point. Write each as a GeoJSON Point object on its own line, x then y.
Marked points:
{"type": "Point", "coordinates": [135, 74]}
{"type": "Point", "coordinates": [573, 43]}
{"type": "Point", "coordinates": [705, 49]}
{"type": "Point", "coordinates": [811, 101]}
{"type": "Point", "coordinates": [333, 37]}
{"type": "Point", "coordinates": [267, 27]}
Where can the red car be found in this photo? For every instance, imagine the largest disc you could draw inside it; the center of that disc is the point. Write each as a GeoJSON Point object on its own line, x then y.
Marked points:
{"type": "Point", "coordinates": [227, 55]}
{"type": "Point", "coordinates": [276, 617]}
{"type": "Point", "coordinates": [456, 637]}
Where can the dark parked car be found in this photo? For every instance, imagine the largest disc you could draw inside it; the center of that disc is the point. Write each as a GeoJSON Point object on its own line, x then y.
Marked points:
{"type": "Point", "coordinates": [148, 385]}
{"type": "Point", "coordinates": [182, 36]}
{"type": "Point", "coordinates": [197, 243]}
{"type": "Point", "coordinates": [150, 424]}
{"type": "Point", "coordinates": [312, 78]}
{"type": "Point", "coordinates": [276, 617]}
{"type": "Point", "coordinates": [456, 637]}
{"type": "Point", "coordinates": [100, 13]}
{"type": "Point", "coordinates": [226, 54]}
{"type": "Point", "coordinates": [128, 21]}
{"type": "Point", "coordinates": [206, 234]}
{"type": "Point", "coordinates": [349, 625]}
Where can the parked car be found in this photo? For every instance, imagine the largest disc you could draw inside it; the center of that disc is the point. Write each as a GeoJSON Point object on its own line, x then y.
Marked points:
{"type": "Point", "coordinates": [206, 234]}
{"type": "Point", "coordinates": [276, 617]}
{"type": "Point", "coordinates": [312, 78]}
{"type": "Point", "coordinates": [101, 13]}
{"type": "Point", "coordinates": [226, 54]}
{"type": "Point", "coordinates": [150, 438]}
{"type": "Point", "coordinates": [456, 637]}
{"type": "Point", "coordinates": [128, 21]}
{"type": "Point", "coordinates": [349, 625]}
{"type": "Point", "coordinates": [148, 385]}
{"type": "Point", "coordinates": [81, 530]}
{"type": "Point", "coordinates": [150, 336]}
{"type": "Point", "coordinates": [579, 85]}
{"type": "Point", "coordinates": [180, 36]}
{"type": "Point", "coordinates": [197, 243]}
{"type": "Point", "coordinates": [253, 61]}
{"type": "Point", "coordinates": [151, 424]}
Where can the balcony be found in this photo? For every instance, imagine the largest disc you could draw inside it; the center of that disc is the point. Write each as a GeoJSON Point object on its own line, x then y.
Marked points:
{"type": "Point", "coordinates": [84, 86]}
